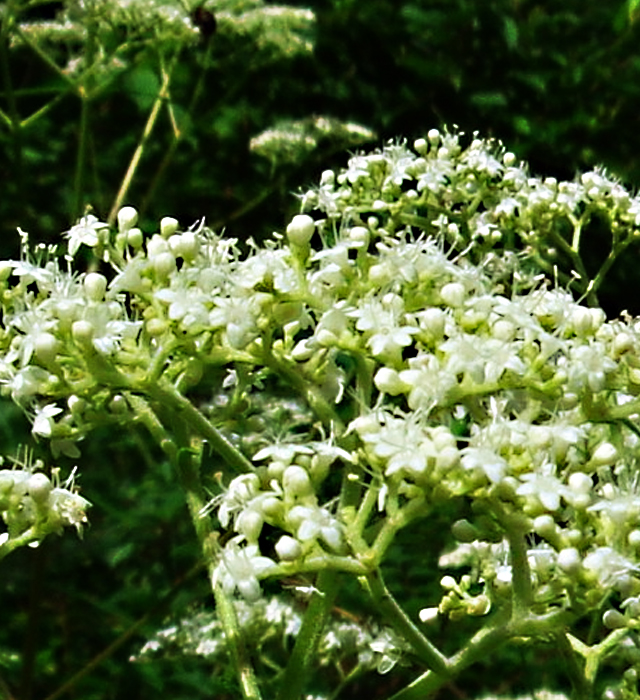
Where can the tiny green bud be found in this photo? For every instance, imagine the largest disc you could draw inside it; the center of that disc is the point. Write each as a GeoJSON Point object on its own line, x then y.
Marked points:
{"type": "Point", "coordinates": [156, 327]}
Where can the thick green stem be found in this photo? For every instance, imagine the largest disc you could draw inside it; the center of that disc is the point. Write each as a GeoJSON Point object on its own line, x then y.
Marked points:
{"type": "Point", "coordinates": [303, 656]}
{"type": "Point", "coordinates": [187, 463]}
{"type": "Point", "coordinates": [165, 395]}
{"type": "Point", "coordinates": [483, 644]}
{"type": "Point", "coordinates": [236, 646]}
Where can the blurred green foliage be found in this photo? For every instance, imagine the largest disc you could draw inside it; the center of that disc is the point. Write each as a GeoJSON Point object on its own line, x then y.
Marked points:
{"type": "Point", "coordinates": [559, 83]}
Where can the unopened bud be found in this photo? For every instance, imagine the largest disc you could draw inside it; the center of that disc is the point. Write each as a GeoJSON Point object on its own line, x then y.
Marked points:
{"type": "Point", "coordinates": [300, 230]}
{"type": "Point", "coordinates": [127, 218]}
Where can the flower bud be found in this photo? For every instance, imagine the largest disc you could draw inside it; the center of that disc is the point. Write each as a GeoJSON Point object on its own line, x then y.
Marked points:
{"type": "Point", "coordinates": [249, 523]}
{"type": "Point", "coordinates": [569, 560]}
{"type": "Point", "coordinates": [39, 487]}
{"type": "Point", "coordinates": [434, 137]}
{"type": "Point", "coordinates": [95, 286]}
{"type": "Point", "coordinates": [448, 583]}
{"type": "Point", "coordinates": [168, 226]}
{"type": "Point", "coordinates": [327, 178]}
{"type": "Point", "coordinates": [605, 455]}
{"type": "Point", "coordinates": [453, 294]}
{"type": "Point", "coordinates": [614, 620]}
{"type": "Point", "coordinates": [156, 245]}
{"type": "Point", "coordinates": [296, 482]}
{"type": "Point", "coordinates": [288, 548]}
{"type": "Point", "coordinates": [464, 531]}
{"type": "Point", "coordinates": [300, 230]}
{"type": "Point", "coordinates": [127, 218]}
{"type": "Point", "coordinates": [427, 615]}
{"type": "Point", "coordinates": [156, 327]}
{"type": "Point", "coordinates": [432, 321]}
{"type": "Point", "coordinates": [118, 404]}
{"type": "Point", "coordinates": [164, 264]}
{"type": "Point", "coordinates": [135, 238]}
{"type": "Point", "coordinates": [545, 526]}
{"type": "Point", "coordinates": [82, 332]}
{"type": "Point", "coordinates": [46, 347]}
{"type": "Point", "coordinates": [388, 380]}
{"type": "Point", "coordinates": [421, 146]}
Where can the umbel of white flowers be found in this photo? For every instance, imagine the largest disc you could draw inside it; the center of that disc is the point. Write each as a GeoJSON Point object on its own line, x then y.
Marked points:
{"type": "Point", "coordinates": [407, 307]}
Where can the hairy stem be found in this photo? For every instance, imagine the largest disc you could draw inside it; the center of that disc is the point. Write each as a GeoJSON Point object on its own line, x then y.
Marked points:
{"type": "Point", "coordinates": [302, 657]}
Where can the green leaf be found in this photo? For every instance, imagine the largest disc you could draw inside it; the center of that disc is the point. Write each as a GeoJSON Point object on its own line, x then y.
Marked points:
{"type": "Point", "coordinates": [142, 85]}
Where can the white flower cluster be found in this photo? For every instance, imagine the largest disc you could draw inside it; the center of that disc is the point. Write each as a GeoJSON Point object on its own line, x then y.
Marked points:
{"type": "Point", "coordinates": [33, 505]}
{"type": "Point", "coordinates": [440, 370]}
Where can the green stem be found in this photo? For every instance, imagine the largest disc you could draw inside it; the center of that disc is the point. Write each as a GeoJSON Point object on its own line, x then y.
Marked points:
{"type": "Point", "coordinates": [166, 396]}
{"type": "Point", "coordinates": [582, 688]}
{"type": "Point", "coordinates": [303, 656]}
{"type": "Point", "coordinates": [398, 619]}
{"type": "Point", "coordinates": [305, 388]}
{"type": "Point", "coordinates": [416, 508]}
{"type": "Point", "coordinates": [236, 646]}
{"type": "Point", "coordinates": [522, 590]}
{"type": "Point", "coordinates": [163, 95]}
{"type": "Point", "coordinates": [187, 463]}
{"type": "Point", "coordinates": [83, 136]}
{"type": "Point", "coordinates": [177, 136]}
{"type": "Point", "coordinates": [482, 644]}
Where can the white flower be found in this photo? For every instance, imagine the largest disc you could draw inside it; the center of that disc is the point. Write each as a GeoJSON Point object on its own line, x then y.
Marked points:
{"type": "Point", "coordinates": [610, 568]}
{"type": "Point", "coordinates": [484, 459]}
{"type": "Point", "coordinates": [186, 304]}
{"type": "Point", "coordinates": [402, 444]}
{"type": "Point", "coordinates": [43, 422]}
{"type": "Point", "coordinates": [88, 231]}
{"type": "Point", "coordinates": [312, 522]}
{"type": "Point", "coordinates": [545, 486]}
{"type": "Point", "coordinates": [240, 568]}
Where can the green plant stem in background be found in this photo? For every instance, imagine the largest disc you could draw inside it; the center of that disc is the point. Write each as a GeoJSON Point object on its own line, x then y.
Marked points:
{"type": "Point", "coordinates": [161, 98]}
